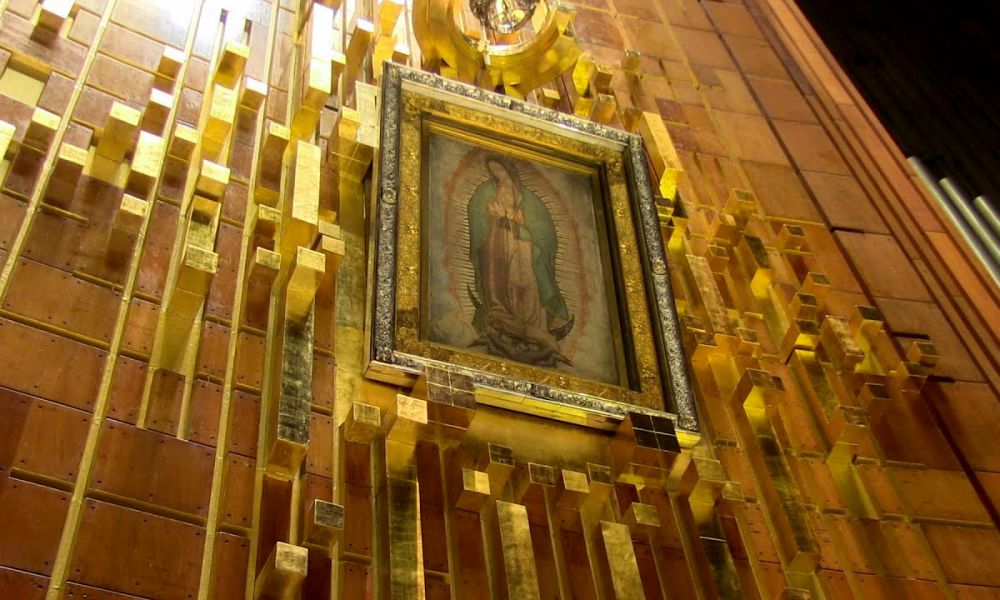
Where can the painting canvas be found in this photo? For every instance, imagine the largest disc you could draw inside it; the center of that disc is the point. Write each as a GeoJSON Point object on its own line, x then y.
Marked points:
{"type": "Point", "coordinates": [516, 262]}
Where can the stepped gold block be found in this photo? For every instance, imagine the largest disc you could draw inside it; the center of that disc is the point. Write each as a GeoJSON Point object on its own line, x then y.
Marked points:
{"type": "Point", "coordinates": [197, 270]}
{"type": "Point", "coordinates": [221, 116]}
{"type": "Point", "coordinates": [212, 179]}
{"type": "Point", "coordinates": [128, 221]}
{"type": "Point", "coordinates": [183, 143]}
{"type": "Point", "coordinates": [231, 63]}
{"type": "Point", "coordinates": [203, 224]}
{"type": "Point", "coordinates": [324, 523]}
{"type": "Point", "coordinates": [583, 73]}
{"type": "Point", "coordinates": [157, 110]}
{"type": "Point", "coordinates": [643, 520]}
{"type": "Point", "coordinates": [130, 214]}
{"type": "Point", "coordinates": [272, 151]}
{"type": "Point", "coordinates": [602, 76]}
{"type": "Point", "coordinates": [41, 130]}
{"type": "Point", "coordinates": [170, 63]}
{"type": "Point", "coordinates": [531, 479]}
{"type": "Point", "coordinates": [317, 88]}
{"type": "Point", "coordinates": [146, 163]}
{"type": "Point", "coordinates": [307, 274]}
{"type": "Point", "coordinates": [69, 165]}
{"type": "Point", "coordinates": [265, 225]}
{"type": "Point", "coordinates": [388, 15]}
{"type": "Point", "coordinates": [632, 64]}
{"type": "Point", "coordinates": [7, 132]}
{"type": "Point", "coordinates": [266, 264]}
{"type": "Point", "coordinates": [334, 249]}
{"type": "Point", "coordinates": [602, 482]}
{"type": "Point", "coordinates": [362, 35]}
{"type": "Point", "coordinates": [51, 14]}
{"type": "Point", "coordinates": [254, 94]}
{"type": "Point", "coordinates": [363, 423]}
{"type": "Point", "coordinates": [572, 488]}
{"type": "Point", "coordinates": [475, 490]}
{"type": "Point", "coordinates": [282, 575]}
{"type": "Point", "coordinates": [604, 109]}
{"type": "Point", "coordinates": [116, 140]}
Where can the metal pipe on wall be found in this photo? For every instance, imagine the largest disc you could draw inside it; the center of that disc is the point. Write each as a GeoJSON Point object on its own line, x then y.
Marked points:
{"type": "Point", "coordinates": [972, 217]}
{"type": "Point", "coordinates": [957, 219]}
{"type": "Point", "coordinates": [989, 214]}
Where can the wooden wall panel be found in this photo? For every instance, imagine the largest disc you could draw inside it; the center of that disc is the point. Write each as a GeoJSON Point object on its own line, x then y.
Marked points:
{"type": "Point", "coordinates": [180, 481]}
{"type": "Point", "coordinates": [231, 560]}
{"type": "Point", "coordinates": [128, 551]}
{"type": "Point", "coordinates": [50, 440]}
{"type": "Point", "coordinates": [25, 586]}
{"type": "Point", "coordinates": [30, 518]}
{"type": "Point", "coordinates": [33, 361]}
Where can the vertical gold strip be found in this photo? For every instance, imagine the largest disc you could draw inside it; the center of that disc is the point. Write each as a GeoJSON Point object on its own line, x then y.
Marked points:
{"type": "Point", "coordinates": [246, 247]}
{"type": "Point", "coordinates": [67, 541]}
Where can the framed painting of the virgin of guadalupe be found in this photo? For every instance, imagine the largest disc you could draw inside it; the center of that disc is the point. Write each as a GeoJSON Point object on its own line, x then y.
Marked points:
{"type": "Point", "coordinates": [520, 246]}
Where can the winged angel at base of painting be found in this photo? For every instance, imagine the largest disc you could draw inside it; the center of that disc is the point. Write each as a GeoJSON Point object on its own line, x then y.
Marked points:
{"type": "Point", "coordinates": [520, 312]}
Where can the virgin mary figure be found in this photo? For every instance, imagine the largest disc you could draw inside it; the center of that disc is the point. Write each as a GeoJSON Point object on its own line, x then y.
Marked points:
{"type": "Point", "coordinates": [520, 312]}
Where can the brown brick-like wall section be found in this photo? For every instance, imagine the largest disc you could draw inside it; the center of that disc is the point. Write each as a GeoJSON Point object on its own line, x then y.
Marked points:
{"type": "Point", "coordinates": [118, 482]}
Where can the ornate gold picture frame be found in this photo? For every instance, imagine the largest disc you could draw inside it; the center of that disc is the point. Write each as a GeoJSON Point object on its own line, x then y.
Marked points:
{"type": "Point", "coordinates": [520, 246]}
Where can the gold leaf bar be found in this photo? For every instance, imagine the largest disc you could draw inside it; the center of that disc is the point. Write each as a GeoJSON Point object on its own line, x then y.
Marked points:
{"type": "Point", "coordinates": [289, 431]}
{"type": "Point", "coordinates": [221, 116]}
{"type": "Point", "coordinates": [662, 152]}
{"type": "Point", "coordinates": [620, 560]}
{"type": "Point", "coordinates": [316, 90]}
{"type": "Point", "coordinates": [300, 214]}
{"type": "Point", "coordinates": [518, 555]}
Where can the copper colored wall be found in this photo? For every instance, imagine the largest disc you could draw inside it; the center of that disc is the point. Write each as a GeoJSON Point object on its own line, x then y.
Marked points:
{"type": "Point", "coordinates": [116, 482]}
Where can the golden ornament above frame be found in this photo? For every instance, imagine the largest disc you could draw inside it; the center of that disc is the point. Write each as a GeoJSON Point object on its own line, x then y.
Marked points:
{"type": "Point", "coordinates": [521, 246]}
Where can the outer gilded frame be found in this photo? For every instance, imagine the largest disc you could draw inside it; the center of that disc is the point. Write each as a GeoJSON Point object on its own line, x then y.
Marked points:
{"type": "Point", "coordinates": [660, 382]}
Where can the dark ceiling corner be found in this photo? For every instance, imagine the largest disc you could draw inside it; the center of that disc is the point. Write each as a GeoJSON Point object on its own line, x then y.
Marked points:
{"type": "Point", "coordinates": [930, 70]}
